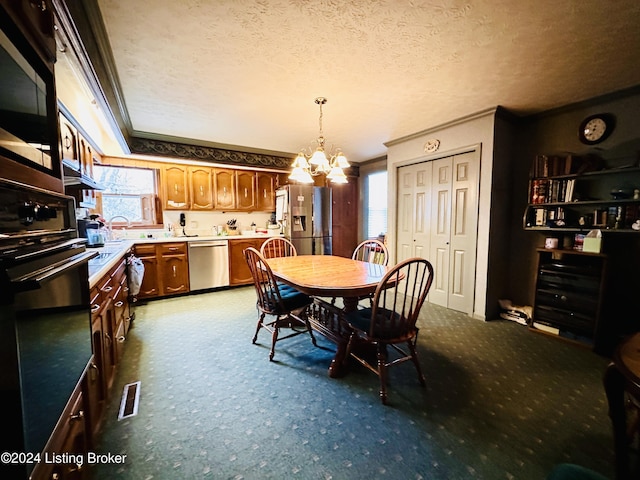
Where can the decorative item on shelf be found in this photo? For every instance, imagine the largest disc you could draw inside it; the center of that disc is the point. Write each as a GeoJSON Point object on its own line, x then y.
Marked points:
{"type": "Point", "coordinates": [619, 194]}
{"type": "Point", "coordinates": [306, 166]}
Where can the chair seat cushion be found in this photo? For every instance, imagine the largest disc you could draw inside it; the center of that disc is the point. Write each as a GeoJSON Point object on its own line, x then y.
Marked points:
{"type": "Point", "coordinates": [292, 298]}
{"type": "Point", "coordinates": [361, 319]}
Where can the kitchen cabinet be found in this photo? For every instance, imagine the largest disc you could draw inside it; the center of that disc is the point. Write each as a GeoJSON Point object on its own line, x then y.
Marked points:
{"type": "Point", "coordinates": [245, 190]}
{"type": "Point", "coordinates": [266, 191]}
{"type": "Point", "coordinates": [151, 281]}
{"type": "Point", "coordinates": [224, 191]}
{"type": "Point", "coordinates": [175, 187]}
{"type": "Point", "coordinates": [239, 273]}
{"type": "Point", "coordinates": [166, 269]}
{"type": "Point", "coordinates": [110, 321]}
{"type": "Point", "coordinates": [87, 159]}
{"type": "Point", "coordinates": [35, 21]}
{"type": "Point", "coordinates": [68, 144]}
{"type": "Point", "coordinates": [201, 188]}
{"type": "Point", "coordinates": [174, 268]}
{"type": "Point", "coordinates": [69, 437]}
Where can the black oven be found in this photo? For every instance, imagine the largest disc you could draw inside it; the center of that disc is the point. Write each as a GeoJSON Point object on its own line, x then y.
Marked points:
{"type": "Point", "coordinates": [45, 322]}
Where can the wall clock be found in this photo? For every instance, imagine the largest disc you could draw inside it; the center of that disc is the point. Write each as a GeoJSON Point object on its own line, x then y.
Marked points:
{"type": "Point", "coordinates": [596, 128]}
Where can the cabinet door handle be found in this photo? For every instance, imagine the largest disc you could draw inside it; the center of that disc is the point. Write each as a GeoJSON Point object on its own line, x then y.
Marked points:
{"type": "Point", "coordinates": [174, 271]}
{"type": "Point", "coordinates": [94, 372]}
{"type": "Point", "coordinates": [107, 289]}
{"type": "Point", "coordinates": [264, 192]}
{"type": "Point", "coordinates": [94, 308]}
{"type": "Point", "coordinates": [121, 339]}
{"type": "Point", "coordinates": [119, 303]}
{"type": "Point", "coordinates": [77, 416]}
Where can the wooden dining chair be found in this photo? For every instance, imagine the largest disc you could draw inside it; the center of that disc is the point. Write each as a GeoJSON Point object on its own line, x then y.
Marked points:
{"type": "Point", "coordinates": [278, 247]}
{"type": "Point", "coordinates": [286, 306]}
{"type": "Point", "coordinates": [372, 251]}
{"type": "Point", "coordinates": [391, 320]}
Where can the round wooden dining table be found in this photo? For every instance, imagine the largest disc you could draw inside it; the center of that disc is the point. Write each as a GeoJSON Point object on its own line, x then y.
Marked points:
{"type": "Point", "coordinates": [621, 381]}
{"type": "Point", "coordinates": [330, 276]}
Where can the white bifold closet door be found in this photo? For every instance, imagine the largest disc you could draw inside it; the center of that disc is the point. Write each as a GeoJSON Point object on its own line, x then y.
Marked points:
{"type": "Point", "coordinates": [437, 220]}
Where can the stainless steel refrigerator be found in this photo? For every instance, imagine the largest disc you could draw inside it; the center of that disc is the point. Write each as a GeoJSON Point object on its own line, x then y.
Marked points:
{"type": "Point", "coordinates": [305, 214]}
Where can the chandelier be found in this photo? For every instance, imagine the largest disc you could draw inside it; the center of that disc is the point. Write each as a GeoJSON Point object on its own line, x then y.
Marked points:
{"type": "Point", "coordinates": [307, 166]}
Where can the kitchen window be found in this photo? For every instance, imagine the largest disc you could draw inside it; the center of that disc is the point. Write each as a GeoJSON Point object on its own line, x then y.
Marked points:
{"type": "Point", "coordinates": [128, 192]}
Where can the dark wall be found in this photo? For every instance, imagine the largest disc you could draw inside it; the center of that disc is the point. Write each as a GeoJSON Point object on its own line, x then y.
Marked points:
{"type": "Point", "coordinates": [556, 132]}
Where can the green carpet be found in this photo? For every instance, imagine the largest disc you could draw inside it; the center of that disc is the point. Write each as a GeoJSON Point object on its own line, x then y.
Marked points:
{"type": "Point", "coordinates": [500, 403]}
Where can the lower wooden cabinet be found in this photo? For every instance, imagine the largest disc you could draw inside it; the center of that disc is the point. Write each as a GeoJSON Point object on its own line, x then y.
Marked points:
{"type": "Point", "coordinates": [166, 268]}
{"type": "Point", "coordinates": [70, 439]}
{"type": "Point", "coordinates": [239, 273]}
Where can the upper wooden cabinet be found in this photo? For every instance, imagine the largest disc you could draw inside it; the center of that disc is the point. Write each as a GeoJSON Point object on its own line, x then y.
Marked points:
{"type": "Point", "coordinates": [201, 188]}
{"type": "Point", "coordinates": [266, 191]}
{"type": "Point", "coordinates": [187, 187]}
{"type": "Point", "coordinates": [175, 187]}
{"type": "Point", "coordinates": [245, 190]}
{"type": "Point", "coordinates": [225, 181]}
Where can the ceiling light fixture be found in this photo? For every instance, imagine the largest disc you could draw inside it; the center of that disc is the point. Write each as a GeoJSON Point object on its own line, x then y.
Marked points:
{"type": "Point", "coordinates": [306, 166]}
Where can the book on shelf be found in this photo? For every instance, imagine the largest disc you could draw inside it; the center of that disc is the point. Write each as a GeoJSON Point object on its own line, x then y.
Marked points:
{"type": "Point", "coordinates": [545, 327]}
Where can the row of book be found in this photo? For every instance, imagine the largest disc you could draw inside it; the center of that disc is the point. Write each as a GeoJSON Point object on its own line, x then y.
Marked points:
{"type": "Point", "coordinates": [546, 190]}
{"type": "Point", "coordinates": [557, 165]}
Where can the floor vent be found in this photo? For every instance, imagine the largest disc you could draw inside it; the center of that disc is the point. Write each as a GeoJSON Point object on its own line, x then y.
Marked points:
{"type": "Point", "coordinates": [129, 402]}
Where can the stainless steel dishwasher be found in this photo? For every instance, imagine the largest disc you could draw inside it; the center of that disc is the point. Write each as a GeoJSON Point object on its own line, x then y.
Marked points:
{"type": "Point", "coordinates": [208, 264]}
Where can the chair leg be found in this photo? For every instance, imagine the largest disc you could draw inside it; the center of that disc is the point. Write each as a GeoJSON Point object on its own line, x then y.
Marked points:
{"type": "Point", "coordinates": [260, 320]}
{"type": "Point", "coordinates": [382, 371]}
{"type": "Point", "coordinates": [416, 362]}
{"type": "Point", "coordinates": [274, 339]}
{"type": "Point", "coordinates": [307, 323]}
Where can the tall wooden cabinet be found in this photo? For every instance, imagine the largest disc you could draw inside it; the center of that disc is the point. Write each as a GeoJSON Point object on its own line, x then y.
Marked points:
{"type": "Point", "coordinates": [344, 218]}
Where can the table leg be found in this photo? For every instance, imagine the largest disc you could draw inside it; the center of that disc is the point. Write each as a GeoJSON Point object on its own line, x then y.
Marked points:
{"type": "Point", "coordinates": [350, 304]}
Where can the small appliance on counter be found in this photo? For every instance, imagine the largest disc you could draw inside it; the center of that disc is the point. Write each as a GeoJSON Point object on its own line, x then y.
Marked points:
{"type": "Point", "coordinates": [91, 229]}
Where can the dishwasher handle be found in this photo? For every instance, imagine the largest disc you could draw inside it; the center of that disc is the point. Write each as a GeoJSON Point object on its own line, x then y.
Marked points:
{"type": "Point", "coordinates": [207, 244]}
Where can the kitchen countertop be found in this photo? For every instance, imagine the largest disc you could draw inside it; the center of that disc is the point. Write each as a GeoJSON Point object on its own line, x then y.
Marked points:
{"type": "Point", "coordinates": [112, 252]}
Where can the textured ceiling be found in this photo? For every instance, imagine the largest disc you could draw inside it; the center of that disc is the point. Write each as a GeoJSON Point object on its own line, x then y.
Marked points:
{"type": "Point", "coordinates": [246, 72]}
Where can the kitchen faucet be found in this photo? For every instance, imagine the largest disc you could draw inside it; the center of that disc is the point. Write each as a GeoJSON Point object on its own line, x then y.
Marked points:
{"type": "Point", "coordinates": [110, 222]}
